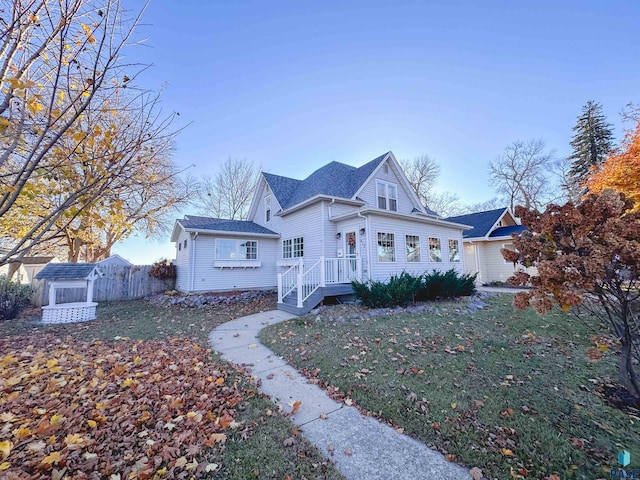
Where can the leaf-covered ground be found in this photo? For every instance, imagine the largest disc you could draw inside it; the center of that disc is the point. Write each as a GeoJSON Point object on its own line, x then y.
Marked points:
{"type": "Point", "coordinates": [121, 398]}
{"type": "Point", "coordinates": [516, 394]}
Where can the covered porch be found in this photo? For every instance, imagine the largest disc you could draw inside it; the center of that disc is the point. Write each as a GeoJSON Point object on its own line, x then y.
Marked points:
{"type": "Point", "coordinates": [306, 284]}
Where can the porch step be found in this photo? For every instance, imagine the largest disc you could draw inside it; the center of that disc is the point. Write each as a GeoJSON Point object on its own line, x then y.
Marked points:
{"type": "Point", "coordinates": [290, 302]}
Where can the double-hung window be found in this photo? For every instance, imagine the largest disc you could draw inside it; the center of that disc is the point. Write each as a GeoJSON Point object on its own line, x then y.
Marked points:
{"type": "Point", "coordinates": [387, 194]}
{"type": "Point", "coordinates": [386, 247]}
{"type": "Point", "coordinates": [435, 250]}
{"type": "Point", "coordinates": [454, 251]}
{"type": "Point", "coordinates": [236, 249]}
{"type": "Point", "coordinates": [413, 248]}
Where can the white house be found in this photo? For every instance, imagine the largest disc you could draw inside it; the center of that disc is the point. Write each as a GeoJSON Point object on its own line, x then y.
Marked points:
{"type": "Point", "coordinates": [114, 260]}
{"type": "Point", "coordinates": [491, 233]}
{"type": "Point", "coordinates": [311, 237]}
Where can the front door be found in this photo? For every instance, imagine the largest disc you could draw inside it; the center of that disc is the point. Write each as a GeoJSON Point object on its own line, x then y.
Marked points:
{"type": "Point", "coordinates": [351, 254]}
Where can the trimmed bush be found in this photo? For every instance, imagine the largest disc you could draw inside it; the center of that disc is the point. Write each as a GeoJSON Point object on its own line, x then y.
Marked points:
{"type": "Point", "coordinates": [13, 298]}
{"type": "Point", "coordinates": [449, 284]}
{"type": "Point", "coordinates": [399, 290]}
{"type": "Point", "coordinates": [405, 288]}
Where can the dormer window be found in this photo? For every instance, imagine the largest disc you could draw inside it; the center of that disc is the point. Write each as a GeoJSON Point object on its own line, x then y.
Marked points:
{"type": "Point", "coordinates": [267, 208]}
{"type": "Point", "coordinates": [387, 194]}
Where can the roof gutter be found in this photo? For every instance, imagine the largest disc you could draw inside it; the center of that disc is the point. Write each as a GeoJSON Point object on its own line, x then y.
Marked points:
{"type": "Point", "coordinates": [317, 198]}
{"type": "Point", "coordinates": [231, 234]}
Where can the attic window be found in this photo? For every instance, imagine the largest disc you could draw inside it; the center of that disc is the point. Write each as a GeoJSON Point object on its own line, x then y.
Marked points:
{"type": "Point", "coordinates": [267, 208]}
{"type": "Point", "coordinates": [387, 196]}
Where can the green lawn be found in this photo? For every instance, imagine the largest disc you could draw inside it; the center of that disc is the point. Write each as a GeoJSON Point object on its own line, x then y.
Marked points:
{"type": "Point", "coordinates": [258, 453]}
{"type": "Point", "coordinates": [513, 393]}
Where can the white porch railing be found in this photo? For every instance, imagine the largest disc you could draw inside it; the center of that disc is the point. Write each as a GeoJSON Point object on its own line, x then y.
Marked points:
{"type": "Point", "coordinates": [324, 272]}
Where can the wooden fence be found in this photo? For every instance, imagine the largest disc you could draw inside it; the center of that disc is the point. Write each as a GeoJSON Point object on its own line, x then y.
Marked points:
{"type": "Point", "coordinates": [118, 283]}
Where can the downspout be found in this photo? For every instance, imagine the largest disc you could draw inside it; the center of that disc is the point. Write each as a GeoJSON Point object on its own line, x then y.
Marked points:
{"type": "Point", "coordinates": [333, 200]}
{"type": "Point", "coordinates": [367, 236]}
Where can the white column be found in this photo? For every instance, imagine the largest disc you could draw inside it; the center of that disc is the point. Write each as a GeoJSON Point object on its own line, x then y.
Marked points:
{"type": "Point", "coordinates": [89, 291]}
{"type": "Point", "coordinates": [322, 272]}
{"type": "Point", "coordinates": [52, 294]}
{"type": "Point", "coordinates": [279, 288]}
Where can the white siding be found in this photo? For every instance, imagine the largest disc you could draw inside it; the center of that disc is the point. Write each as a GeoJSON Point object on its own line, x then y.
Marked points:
{"type": "Point", "coordinates": [493, 267]}
{"type": "Point", "coordinates": [275, 224]}
{"type": "Point", "coordinates": [306, 223]}
{"type": "Point", "coordinates": [369, 195]}
{"type": "Point", "coordinates": [207, 278]}
{"type": "Point", "coordinates": [400, 228]}
{"type": "Point", "coordinates": [182, 262]}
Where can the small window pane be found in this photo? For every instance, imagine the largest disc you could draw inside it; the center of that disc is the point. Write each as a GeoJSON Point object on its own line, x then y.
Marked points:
{"type": "Point", "coordinates": [286, 249]}
{"type": "Point", "coordinates": [225, 249]}
{"type": "Point", "coordinates": [413, 248]}
{"type": "Point", "coordinates": [386, 247]}
{"type": "Point", "coordinates": [249, 250]}
{"type": "Point", "coordinates": [454, 251]}
{"type": "Point", "coordinates": [435, 251]}
{"type": "Point", "coordinates": [298, 247]}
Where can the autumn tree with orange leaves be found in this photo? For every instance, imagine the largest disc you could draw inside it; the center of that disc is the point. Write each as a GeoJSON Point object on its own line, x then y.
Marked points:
{"type": "Point", "coordinates": [588, 259]}
{"type": "Point", "coordinates": [621, 171]}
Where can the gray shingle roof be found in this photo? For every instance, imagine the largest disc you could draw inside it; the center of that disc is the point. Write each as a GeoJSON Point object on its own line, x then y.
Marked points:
{"type": "Point", "coordinates": [334, 179]}
{"type": "Point", "coordinates": [223, 225]}
{"type": "Point", "coordinates": [507, 231]}
{"type": "Point", "coordinates": [481, 222]}
{"type": "Point", "coordinates": [66, 271]}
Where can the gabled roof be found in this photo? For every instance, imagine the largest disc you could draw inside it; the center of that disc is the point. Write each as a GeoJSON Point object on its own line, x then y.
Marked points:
{"type": "Point", "coordinates": [192, 222]}
{"type": "Point", "coordinates": [69, 271]}
{"type": "Point", "coordinates": [482, 222]}
{"type": "Point", "coordinates": [334, 179]}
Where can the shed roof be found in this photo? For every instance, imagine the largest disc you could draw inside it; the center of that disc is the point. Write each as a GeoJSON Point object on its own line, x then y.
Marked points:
{"type": "Point", "coordinates": [507, 231]}
{"type": "Point", "coordinates": [223, 225]}
{"type": "Point", "coordinates": [69, 271]}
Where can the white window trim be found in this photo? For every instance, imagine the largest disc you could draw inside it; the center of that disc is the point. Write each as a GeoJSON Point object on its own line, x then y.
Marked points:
{"type": "Point", "coordinates": [449, 246]}
{"type": "Point", "coordinates": [240, 260]}
{"type": "Point", "coordinates": [385, 194]}
{"type": "Point", "coordinates": [291, 248]}
{"type": "Point", "coordinates": [395, 252]}
{"type": "Point", "coordinates": [419, 248]}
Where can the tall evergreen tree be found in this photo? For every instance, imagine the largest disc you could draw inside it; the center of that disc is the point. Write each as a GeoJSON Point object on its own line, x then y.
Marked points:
{"type": "Point", "coordinates": [592, 143]}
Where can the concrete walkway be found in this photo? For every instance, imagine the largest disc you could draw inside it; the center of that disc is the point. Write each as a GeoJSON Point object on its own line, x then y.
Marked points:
{"type": "Point", "coordinates": [373, 449]}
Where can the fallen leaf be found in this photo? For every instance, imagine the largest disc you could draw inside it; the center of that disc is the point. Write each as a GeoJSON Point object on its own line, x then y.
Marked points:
{"type": "Point", "coordinates": [348, 451]}
{"type": "Point", "coordinates": [348, 402]}
{"type": "Point", "coordinates": [476, 473]}
{"type": "Point", "coordinates": [288, 441]}
{"type": "Point", "coordinates": [506, 452]}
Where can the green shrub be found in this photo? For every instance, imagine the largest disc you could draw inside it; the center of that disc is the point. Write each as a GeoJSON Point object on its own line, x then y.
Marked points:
{"type": "Point", "coordinates": [447, 284]}
{"type": "Point", "coordinates": [399, 290]}
{"type": "Point", "coordinates": [405, 288]}
{"type": "Point", "coordinates": [13, 298]}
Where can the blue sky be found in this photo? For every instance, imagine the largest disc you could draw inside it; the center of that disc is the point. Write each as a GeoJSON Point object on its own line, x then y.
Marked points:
{"type": "Point", "coordinates": [294, 85]}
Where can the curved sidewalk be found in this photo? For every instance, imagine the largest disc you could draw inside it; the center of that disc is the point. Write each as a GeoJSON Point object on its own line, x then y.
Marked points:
{"type": "Point", "coordinates": [373, 449]}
